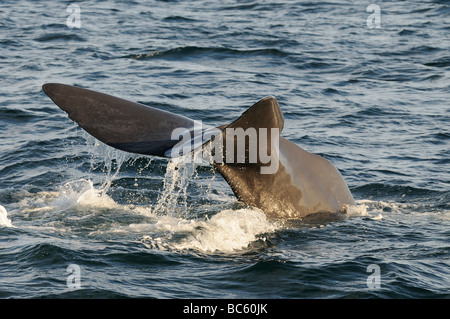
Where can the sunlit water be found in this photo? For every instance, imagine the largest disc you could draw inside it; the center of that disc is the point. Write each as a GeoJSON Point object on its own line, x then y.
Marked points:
{"type": "Point", "coordinates": [374, 101]}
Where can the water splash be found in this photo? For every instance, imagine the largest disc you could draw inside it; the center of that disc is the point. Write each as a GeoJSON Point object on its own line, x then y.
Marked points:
{"type": "Point", "coordinates": [226, 232]}
{"type": "Point", "coordinates": [180, 173]}
{"type": "Point", "coordinates": [83, 193]}
{"type": "Point", "coordinates": [106, 157]}
{"type": "Point", "coordinates": [4, 220]}
{"type": "Point", "coordinates": [176, 181]}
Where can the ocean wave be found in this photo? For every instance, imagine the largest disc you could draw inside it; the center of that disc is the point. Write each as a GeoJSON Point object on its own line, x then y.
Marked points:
{"type": "Point", "coordinates": [386, 190]}
{"type": "Point", "coordinates": [216, 53]}
{"type": "Point", "coordinates": [60, 37]}
{"type": "Point", "coordinates": [15, 116]}
{"type": "Point", "coordinates": [442, 62]}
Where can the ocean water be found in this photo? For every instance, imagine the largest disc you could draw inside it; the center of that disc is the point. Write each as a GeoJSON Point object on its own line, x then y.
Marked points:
{"type": "Point", "coordinates": [367, 89]}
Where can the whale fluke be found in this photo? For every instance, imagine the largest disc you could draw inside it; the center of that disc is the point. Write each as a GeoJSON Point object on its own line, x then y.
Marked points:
{"type": "Point", "coordinates": [263, 169]}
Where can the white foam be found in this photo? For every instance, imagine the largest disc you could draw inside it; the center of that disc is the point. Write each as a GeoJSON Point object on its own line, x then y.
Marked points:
{"type": "Point", "coordinates": [4, 220]}
{"type": "Point", "coordinates": [96, 198]}
{"type": "Point", "coordinates": [227, 231]}
{"type": "Point", "coordinates": [360, 209]}
{"type": "Point", "coordinates": [383, 205]}
{"type": "Point", "coordinates": [376, 209]}
{"type": "Point", "coordinates": [378, 217]}
{"type": "Point", "coordinates": [83, 193]}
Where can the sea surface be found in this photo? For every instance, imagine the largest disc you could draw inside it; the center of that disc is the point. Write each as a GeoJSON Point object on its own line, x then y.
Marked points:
{"type": "Point", "coordinates": [365, 84]}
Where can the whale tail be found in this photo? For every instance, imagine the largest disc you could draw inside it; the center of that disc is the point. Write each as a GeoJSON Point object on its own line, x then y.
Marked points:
{"type": "Point", "coordinates": [263, 169]}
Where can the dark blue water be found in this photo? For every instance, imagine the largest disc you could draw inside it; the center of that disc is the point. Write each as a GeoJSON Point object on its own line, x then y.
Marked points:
{"type": "Point", "coordinates": [80, 220]}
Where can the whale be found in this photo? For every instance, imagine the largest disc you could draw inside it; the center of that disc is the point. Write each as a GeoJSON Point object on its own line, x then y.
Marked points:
{"type": "Point", "coordinates": [263, 169]}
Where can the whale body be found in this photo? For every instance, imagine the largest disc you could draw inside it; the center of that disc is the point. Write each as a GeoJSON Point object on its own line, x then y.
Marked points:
{"type": "Point", "coordinates": [281, 179]}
